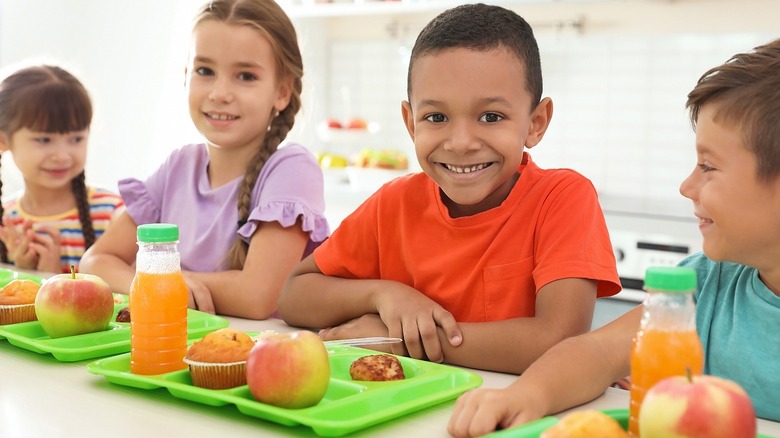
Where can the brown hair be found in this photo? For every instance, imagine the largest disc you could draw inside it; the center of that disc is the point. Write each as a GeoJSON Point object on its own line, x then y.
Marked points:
{"type": "Point", "coordinates": [484, 28]}
{"type": "Point", "coordinates": [746, 89]}
{"type": "Point", "coordinates": [268, 18]}
{"type": "Point", "coordinates": [48, 99]}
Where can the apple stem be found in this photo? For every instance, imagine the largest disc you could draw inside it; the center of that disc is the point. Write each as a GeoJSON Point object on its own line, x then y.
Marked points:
{"type": "Point", "coordinates": [72, 272]}
{"type": "Point", "coordinates": [688, 374]}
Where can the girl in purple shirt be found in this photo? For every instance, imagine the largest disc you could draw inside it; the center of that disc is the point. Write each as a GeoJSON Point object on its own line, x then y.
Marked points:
{"type": "Point", "coordinates": [248, 208]}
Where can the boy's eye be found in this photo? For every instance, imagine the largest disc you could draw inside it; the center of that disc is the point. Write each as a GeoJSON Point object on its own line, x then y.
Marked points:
{"type": "Point", "coordinates": [490, 118]}
{"type": "Point", "coordinates": [436, 118]}
{"type": "Point", "coordinates": [203, 71]}
{"type": "Point", "coordinates": [704, 167]}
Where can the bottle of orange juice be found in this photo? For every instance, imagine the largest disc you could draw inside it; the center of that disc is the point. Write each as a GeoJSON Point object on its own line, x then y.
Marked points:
{"type": "Point", "coordinates": [667, 343]}
{"type": "Point", "coordinates": [158, 303]}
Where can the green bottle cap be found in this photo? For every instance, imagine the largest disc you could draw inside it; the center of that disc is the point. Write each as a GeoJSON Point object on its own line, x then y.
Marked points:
{"type": "Point", "coordinates": [670, 279]}
{"type": "Point", "coordinates": [154, 233]}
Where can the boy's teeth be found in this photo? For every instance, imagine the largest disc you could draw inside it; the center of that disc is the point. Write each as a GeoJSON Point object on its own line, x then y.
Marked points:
{"type": "Point", "coordinates": [470, 169]}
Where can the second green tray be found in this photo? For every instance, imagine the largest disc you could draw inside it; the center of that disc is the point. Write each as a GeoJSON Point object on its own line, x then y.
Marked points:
{"type": "Point", "coordinates": [115, 340]}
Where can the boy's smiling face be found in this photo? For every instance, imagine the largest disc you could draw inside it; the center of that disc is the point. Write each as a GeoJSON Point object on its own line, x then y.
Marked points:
{"type": "Point", "coordinates": [469, 116]}
{"type": "Point", "coordinates": [739, 216]}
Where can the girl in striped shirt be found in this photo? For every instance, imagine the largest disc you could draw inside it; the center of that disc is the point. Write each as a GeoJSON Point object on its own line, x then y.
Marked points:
{"type": "Point", "coordinates": [45, 114]}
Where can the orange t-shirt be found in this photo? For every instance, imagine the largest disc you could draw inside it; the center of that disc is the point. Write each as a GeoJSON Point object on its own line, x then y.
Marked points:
{"type": "Point", "coordinates": [485, 267]}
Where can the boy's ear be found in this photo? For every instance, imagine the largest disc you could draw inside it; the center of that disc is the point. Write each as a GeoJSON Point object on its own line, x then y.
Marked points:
{"type": "Point", "coordinates": [406, 113]}
{"type": "Point", "coordinates": [540, 121]}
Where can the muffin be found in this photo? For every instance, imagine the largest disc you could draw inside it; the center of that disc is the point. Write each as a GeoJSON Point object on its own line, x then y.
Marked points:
{"type": "Point", "coordinates": [17, 301]}
{"type": "Point", "coordinates": [218, 361]}
{"type": "Point", "coordinates": [586, 424]}
{"type": "Point", "coordinates": [123, 315]}
{"type": "Point", "coordinates": [377, 368]}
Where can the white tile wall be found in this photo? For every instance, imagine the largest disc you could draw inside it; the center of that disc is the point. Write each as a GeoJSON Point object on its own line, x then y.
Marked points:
{"type": "Point", "coordinates": [619, 101]}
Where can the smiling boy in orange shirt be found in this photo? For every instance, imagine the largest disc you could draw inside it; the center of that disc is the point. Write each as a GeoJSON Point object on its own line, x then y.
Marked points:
{"type": "Point", "coordinates": [483, 260]}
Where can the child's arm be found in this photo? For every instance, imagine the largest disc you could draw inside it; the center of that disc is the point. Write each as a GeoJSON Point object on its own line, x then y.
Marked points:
{"type": "Point", "coordinates": [573, 372]}
{"type": "Point", "coordinates": [252, 292]}
{"type": "Point", "coordinates": [311, 299]}
{"type": "Point", "coordinates": [112, 256]}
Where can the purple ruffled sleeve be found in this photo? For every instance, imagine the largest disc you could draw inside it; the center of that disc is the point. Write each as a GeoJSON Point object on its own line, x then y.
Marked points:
{"type": "Point", "coordinates": [139, 202]}
{"type": "Point", "coordinates": [290, 188]}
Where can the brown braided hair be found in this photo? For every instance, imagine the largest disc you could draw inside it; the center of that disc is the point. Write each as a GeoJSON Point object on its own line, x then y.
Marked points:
{"type": "Point", "coordinates": [268, 18]}
{"type": "Point", "coordinates": [47, 98]}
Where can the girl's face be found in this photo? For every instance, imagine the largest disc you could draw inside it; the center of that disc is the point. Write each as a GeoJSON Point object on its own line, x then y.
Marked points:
{"type": "Point", "coordinates": [470, 117]}
{"type": "Point", "coordinates": [233, 86]}
{"type": "Point", "coordinates": [739, 216]}
{"type": "Point", "coordinates": [47, 160]}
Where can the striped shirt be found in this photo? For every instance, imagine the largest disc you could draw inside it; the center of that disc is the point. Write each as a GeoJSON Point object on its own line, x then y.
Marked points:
{"type": "Point", "coordinates": [103, 206]}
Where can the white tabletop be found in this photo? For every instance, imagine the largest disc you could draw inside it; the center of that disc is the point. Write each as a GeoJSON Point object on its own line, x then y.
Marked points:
{"type": "Point", "coordinates": [41, 397]}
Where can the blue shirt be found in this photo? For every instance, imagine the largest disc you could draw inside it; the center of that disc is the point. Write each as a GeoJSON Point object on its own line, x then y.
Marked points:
{"type": "Point", "coordinates": [738, 320]}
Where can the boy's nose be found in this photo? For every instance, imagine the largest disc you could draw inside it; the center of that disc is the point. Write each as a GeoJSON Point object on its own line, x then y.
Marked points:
{"type": "Point", "coordinates": [462, 139]}
{"type": "Point", "coordinates": [688, 186]}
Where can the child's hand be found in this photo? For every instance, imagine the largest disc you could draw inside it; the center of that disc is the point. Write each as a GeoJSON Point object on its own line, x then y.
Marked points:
{"type": "Point", "coordinates": [45, 241]}
{"type": "Point", "coordinates": [481, 411]}
{"type": "Point", "coordinates": [199, 293]}
{"type": "Point", "coordinates": [410, 315]}
{"type": "Point", "coordinates": [366, 326]}
{"type": "Point", "coordinates": [17, 241]}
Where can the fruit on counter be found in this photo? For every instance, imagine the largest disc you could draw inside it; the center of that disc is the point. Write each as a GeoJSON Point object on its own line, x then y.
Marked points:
{"type": "Point", "coordinates": [383, 159]}
{"type": "Point", "coordinates": [72, 304]}
{"type": "Point", "coordinates": [333, 123]}
{"type": "Point", "coordinates": [289, 370]}
{"type": "Point", "coordinates": [328, 160]}
{"type": "Point", "coordinates": [586, 424]}
{"type": "Point", "coordinates": [697, 406]}
{"type": "Point", "coordinates": [356, 123]}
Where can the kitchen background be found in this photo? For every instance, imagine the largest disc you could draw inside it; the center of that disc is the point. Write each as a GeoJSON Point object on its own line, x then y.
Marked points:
{"type": "Point", "coordinates": [618, 72]}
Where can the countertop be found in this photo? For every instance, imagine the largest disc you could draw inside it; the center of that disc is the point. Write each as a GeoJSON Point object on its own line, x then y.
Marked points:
{"type": "Point", "coordinates": [40, 396]}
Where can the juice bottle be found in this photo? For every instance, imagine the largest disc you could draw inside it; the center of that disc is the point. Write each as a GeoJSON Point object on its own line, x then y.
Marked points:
{"type": "Point", "coordinates": [667, 343]}
{"type": "Point", "coordinates": [158, 303]}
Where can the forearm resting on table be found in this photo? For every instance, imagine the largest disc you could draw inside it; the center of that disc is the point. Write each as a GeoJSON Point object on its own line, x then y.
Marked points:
{"type": "Point", "coordinates": [237, 293]}
{"type": "Point", "coordinates": [315, 300]}
{"type": "Point", "coordinates": [581, 368]}
{"type": "Point", "coordinates": [508, 346]}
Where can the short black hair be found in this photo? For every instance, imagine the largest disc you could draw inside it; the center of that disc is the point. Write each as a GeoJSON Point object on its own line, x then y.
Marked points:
{"type": "Point", "coordinates": [481, 27]}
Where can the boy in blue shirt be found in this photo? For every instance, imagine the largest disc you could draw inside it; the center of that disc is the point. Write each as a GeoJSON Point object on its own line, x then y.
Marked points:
{"type": "Point", "coordinates": [735, 189]}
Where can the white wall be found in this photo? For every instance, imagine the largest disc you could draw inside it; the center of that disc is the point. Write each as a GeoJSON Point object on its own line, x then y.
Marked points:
{"type": "Point", "coordinates": [619, 85]}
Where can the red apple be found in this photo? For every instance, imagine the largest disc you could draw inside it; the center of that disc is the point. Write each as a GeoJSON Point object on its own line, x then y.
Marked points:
{"type": "Point", "coordinates": [333, 124]}
{"type": "Point", "coordinates": [72, 304]}
{"type": "Point", "coordinates": [289, 370]}
{"type": "Point", "coordinates": [698, 406]}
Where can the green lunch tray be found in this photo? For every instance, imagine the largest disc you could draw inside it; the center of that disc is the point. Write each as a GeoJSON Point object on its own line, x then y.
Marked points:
{"type": "Point", "coordinates": [114, 340]}
{"type": "Point", "coordinates": [535, 429]}
{"type": "Point", "coordinates": [347, 406]}
{"type": "Point", "coordinates": [9, 275]}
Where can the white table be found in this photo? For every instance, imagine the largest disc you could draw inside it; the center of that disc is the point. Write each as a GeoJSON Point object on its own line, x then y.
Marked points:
{"type": "Point", "coordinates": [41, 397]}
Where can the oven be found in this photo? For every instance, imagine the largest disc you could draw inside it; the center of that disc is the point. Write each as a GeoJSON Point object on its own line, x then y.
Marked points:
{"type": "Point", "coordinates": [648, 233]}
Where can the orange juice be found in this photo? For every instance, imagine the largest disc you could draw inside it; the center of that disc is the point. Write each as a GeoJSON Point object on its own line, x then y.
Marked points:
{"type": "Point", "coordinates": [158, 303]}
{"type": "Point", "coordinates": [666, 344]}
{"type": "Point", "coordinates": [656, 355]}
